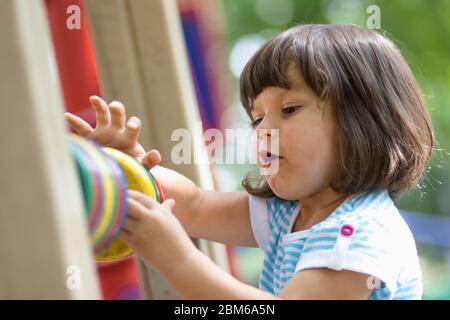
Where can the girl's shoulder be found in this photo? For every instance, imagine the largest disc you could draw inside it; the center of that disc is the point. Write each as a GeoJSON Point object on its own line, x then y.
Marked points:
{"type": "Point", "coordinates": [370, 218]}
{"type": "Point", "coordinates": [375, 207]}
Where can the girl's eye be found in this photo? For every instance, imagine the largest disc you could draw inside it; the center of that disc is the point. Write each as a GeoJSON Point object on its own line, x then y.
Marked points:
{"type": "Point", "coordinates": [290, 109]}
{"type": "Point", "coordinates": [255, 123]}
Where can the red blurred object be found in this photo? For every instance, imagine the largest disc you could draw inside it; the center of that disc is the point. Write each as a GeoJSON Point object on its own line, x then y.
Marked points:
{"type": "Point", "coordinates": [75, 58]}
{"type": "Point", "coordinates": [78, 76]}
{"type": "Point", "coordinates": [118, 279]}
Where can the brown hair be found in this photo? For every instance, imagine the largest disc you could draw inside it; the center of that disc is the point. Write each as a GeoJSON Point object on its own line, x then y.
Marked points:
{"type": "Point", "coordinates": [384, 131]}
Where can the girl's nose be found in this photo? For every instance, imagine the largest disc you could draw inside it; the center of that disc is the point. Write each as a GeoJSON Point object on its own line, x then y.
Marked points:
{"type": "Point", "coordinates": [264, 128]}
{"type": "Point", "coordinates": [264, 132]}
{"type": "Point", "coordinates": [268, 128]}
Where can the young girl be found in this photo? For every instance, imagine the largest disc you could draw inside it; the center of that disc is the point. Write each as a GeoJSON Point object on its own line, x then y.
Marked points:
{"type": "Point", "coordinates": [353, 135]}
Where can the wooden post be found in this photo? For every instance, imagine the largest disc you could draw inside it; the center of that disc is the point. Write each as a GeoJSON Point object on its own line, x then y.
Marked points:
{"type": "Point", "coordinates": [44, 246]}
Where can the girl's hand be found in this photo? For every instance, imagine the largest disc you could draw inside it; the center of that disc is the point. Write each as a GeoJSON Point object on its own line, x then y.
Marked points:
{"type": "Point", "coordinates": [114, 131]}
{"type": "Point", "coordinates": [155, 234]}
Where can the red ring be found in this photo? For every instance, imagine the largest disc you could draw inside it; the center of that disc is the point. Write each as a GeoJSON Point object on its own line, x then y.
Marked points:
{"type": "Point", "coordinates": [159, 189]}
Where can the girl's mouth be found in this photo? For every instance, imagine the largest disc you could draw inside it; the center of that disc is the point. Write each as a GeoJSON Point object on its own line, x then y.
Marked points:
{"type": "Point", "coordinates": [266, 158]}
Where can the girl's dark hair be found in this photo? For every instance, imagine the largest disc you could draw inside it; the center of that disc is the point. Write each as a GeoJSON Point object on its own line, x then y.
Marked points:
{"type": "Point", "coordinates": [384, 131]}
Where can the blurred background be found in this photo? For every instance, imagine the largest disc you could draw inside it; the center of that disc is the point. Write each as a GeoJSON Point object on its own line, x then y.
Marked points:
{"type": "Point", "coordinates": [221, 35]}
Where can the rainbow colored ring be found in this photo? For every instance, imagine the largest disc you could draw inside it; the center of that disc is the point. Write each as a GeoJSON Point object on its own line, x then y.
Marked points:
{"type": "Point", "coordinates": [137, 179]}
{"type": "Point", "coordinates": [105, 214]}
{"type": "Point", "coordinates": [95, 214]}
{"type": "Point", "coordinates": [109, 200]}
{"type": "Point", "coordinates": [105, 175]}
{"type": "Point", "coordinates": [122, 207]}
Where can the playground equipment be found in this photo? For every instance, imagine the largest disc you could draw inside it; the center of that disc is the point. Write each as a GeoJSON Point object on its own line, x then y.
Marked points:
{"type": "Point", "coordinates": [141, 62]}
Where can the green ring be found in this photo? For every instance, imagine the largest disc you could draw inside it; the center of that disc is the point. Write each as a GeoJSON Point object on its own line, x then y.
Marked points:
{"type": "Point", "coordinates": [84, 176]}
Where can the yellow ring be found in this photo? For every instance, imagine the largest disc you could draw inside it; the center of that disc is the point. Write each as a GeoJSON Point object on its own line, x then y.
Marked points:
{"type": "Point", "coordinates": [137, 179]}
{"type": "Point", "coordinates": [135, 174]}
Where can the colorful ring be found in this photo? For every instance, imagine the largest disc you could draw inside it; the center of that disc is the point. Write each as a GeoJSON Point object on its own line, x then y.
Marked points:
{"type": "Point", "coordinates": [94, 214]}
{"type": "Point", "coordinates": [138, 179]}
{"type": "Point", "coordinates": [109, 200]}
{"type": "Point", "coordinates": [105, 175]}
{"type": "Point", "coordinates": [84, 175]}
{"type": "Point", "coordinates": [136, 175]}
{"type": "Point", "coordinates": [121, 210]}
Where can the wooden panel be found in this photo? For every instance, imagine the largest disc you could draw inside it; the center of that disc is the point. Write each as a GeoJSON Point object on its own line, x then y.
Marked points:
{"type": "Point", "coordinates": [42, 228]}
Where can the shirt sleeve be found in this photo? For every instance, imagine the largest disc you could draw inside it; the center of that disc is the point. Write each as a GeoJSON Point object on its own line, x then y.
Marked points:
{"type": "Point", "coordinates": [259, 219]}
{"type": "Point", "coordinates": [360, 244]}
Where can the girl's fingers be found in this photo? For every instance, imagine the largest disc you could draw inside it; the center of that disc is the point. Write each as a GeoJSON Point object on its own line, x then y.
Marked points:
{"type": "Point", "coordinates": [169, 204]}
{"type": "Point", "coordinates": [80, 126]}
{"type": "Point", "coordinates": [117, 111]}
{"type": "Point", "coordinates": [136, 210]}
{"type": "Point", "coordinates": [130, 224]}
{"type": "Point", "coordinates": [132, 130]}
{"type": "Point", "coordinates": [151, 159]}
{"type": "Point", "coordinates": [125, 236]}
{"type": "Point", "coordinates": [142, 199]}
{"type": "Point", "coordinates": [101, 111]}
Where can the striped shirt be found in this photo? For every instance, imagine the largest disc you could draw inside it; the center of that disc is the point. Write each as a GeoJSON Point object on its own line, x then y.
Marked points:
{"type": "Point", "coordinates": [365, 234]}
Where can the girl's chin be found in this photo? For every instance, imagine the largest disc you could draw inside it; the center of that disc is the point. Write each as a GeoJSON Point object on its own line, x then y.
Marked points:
{"type": "Point", "coordinates": [279, 187]}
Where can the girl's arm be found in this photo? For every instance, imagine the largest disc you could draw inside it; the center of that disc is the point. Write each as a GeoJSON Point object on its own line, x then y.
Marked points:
{"type": "Point", "coordinates": [312, 284]}
{"type": "Point", "coordinates": [157, 236]}
{"type": "Point", "coordinates": [217, 216]}
{"type": "Point", "coordinates": [216, 284]}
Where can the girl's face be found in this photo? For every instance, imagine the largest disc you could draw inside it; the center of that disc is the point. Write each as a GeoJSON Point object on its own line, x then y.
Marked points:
{"type": "Point", "coordinates": [307, 159]}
